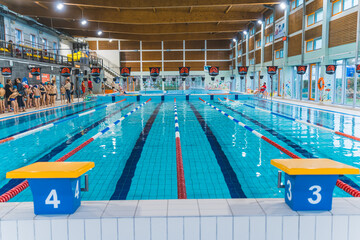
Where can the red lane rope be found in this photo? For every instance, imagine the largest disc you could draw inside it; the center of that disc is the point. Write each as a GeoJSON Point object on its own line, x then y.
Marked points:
{"type": "Point", "coordinates": [179, 160]}
{"type": "Point", "coordinates": [229, 99]}
{"type": "Point", "coordinates": [347, 135]}
{"type": "Point", "coordinates": [345, 187]}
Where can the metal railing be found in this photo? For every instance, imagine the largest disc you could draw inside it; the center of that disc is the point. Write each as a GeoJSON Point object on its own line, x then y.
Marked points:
{"type": "Point", "coordinates": [10, 49]}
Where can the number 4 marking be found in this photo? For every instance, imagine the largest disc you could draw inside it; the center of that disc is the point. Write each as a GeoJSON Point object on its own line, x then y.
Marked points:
{"type": "Point", "coordinates": [54, 200]}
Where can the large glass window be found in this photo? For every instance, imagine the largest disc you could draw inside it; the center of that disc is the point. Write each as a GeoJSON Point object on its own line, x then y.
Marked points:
{"type": "Point", "coordinates": [349, 81]}
{"type": "Point", "coordinates": [310, 46]}
{"type": "Point", "coordinates": [313, 44]}
{"type": "Point", "coordinates": [319, 15]}
{"type": "Point", "coordinates": [317, 43]}
{"type": "Point", "coordinates": [18, 36]}
{"type": "Point", "coordinates": [336, 8]}
{"type": "Point", "coordinates": [45, 43]}
{"type": "Point", "coordinates": [338, 81]}
{"type": "Point", "coordinates": [33, 40]}
{"type": "Point", "coordinates": [342, 5]}
{"type": "Point", "coordinates": [310, 19]}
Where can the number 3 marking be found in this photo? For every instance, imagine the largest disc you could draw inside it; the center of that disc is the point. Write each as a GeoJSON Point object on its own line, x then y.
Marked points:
{"type": "Point", "coordinates": [316, 191]}
{"type": "Point", "coordinates": [289, 195]}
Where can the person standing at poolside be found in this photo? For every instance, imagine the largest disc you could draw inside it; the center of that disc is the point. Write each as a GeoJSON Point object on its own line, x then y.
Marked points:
{"type": "Point", "coordinates": [2, 98]}
{"type": "Point", "coordinates": [8, 92]}
{"type": "Point", "coordinates": [68, 90]}
{"type": "Point", "coordinates": [90, 86]}
{"type": "Point", "coordinates": [103, 88]}
{"type": "Point", "coordinates": [29, 94]}
{"type": "Point", "coordinates": [12, 99]}
{"type": "Point", "coordinates": [43, 94]}
{"type": "Point", "coordinates": [37, 94]}
{"type": "Point", "coordinates": [21, 93]}
{"type": "Point", "coordinates": [62, 92]}
{"type": "Point", "coordinates": [83, 88]}
{"type": "Point", "coordinates": [53, 93]}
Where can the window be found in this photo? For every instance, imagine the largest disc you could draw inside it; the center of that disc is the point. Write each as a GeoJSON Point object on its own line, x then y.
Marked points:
{"type": "Point", "coordinates": [342, 5]}
{"type": "Point", "coordinates": [269, 38]}
{"type": "Point", "coordinates": [33, 40]}
{"type": "Point", "coordinates": [317, 43]}
{"type": "Point", "coordinates": [18, 36]}
{"type": "Point", "coordinates": [269, 20]}
{"type": "Point", "coordinates": [314, 17]}
{"type": "Point", "coordinates": [296, 3]}
{"type": "Point", "coordinates": [258, 44]}
{"type": "Point", "coordinates": [45, 43]}
{"type": "Point", "coordinates": [252, 61]}
{"type": "Point", "coordinates": [313, 44]}
{"type": "Point", "coordinates": [279, 54]}
{"type": "Point", "coordinates": [252, 31]}
{"type": "Point", "coordinates": [54, 47]}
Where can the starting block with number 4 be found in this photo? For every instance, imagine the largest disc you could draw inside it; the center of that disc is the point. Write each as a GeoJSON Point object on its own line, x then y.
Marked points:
{"type": "Point", "coordinates": [309, 183]}
{"type": "Point", "coordinates": [55, 186]}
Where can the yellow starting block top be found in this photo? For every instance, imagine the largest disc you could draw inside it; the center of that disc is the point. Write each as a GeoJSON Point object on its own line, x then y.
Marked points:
{"type": "Point", "coordinates": [52, 170]}
{"type": "Point", "coordinates": [313, 166]}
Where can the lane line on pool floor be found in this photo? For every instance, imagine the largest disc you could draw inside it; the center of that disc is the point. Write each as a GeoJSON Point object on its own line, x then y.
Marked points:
{"type": "Point", "coordinates": [291, 144]}
{"type": "Point", "coordinates": [51, 121]}
{"type": "Point", "coordinates": [342, 185]}
{"type": "Point", "coordinates": [61, 147]}
{"type": "Point", "coordinates": [307, 123]}
{"type": "Point", "coordinates": [47, 126]}
{"type": "Point", "coordinates": [124, 183]}
{"type": "Point", "coordinates": [20, 187]}
{"type": "Point", "coordinates": [179, 160]}
{"type": "Point", "coordinates": [228, 172]}
{"type": "Point", "coordinates": [42, 110]}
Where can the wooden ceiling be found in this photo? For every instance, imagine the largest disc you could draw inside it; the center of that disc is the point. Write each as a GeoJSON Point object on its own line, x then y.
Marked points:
{"type": "Point", "coordinates": [147, 20]}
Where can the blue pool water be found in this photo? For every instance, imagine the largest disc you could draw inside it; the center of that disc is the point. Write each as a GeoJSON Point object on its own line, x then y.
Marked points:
{"type": "Point", "coordinates": [137, 158]}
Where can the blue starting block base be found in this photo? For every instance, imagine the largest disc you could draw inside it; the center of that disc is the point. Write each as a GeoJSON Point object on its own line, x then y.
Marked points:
{"type": "Point", "coordinates": [56, 195]}
{"type": "Point", "coordinates": [309, 192]}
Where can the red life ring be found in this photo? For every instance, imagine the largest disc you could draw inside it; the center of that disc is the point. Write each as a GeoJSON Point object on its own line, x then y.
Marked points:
{"type": "Point", "coordinates": [321, 84]}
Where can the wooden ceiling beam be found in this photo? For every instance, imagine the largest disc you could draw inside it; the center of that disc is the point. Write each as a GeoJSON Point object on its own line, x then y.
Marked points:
{"type": "Point", "coordinates": [228, 9]}
{"type": "Point", "coordinates": [140, 16]}
{"type": "Point", "coordinates": [41, 5]}
{"type": "Point", "coordinates": [146, 4]}
{"type": "Point", "coordinates": [147, 29]}
{"type": "Point", "coordinates": [150, 38]}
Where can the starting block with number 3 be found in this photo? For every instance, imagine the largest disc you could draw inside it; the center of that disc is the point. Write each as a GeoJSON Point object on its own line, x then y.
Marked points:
{"type": "Point", "coordinates": [55, 186]}
{"type": "Point", "coordinates": [309, 183]}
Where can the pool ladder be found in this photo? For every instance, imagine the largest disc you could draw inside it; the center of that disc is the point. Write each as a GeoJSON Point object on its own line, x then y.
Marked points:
{"type": "Point", "coordinates": [280, 184]}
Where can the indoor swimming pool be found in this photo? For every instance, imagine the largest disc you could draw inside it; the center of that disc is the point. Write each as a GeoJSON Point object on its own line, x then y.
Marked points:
{"type": "Point", "coordinates": [136, 158]}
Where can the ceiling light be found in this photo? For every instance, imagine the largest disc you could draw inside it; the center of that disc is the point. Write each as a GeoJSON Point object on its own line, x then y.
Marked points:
{"type": "Point", "coordinates": [234, 40]}
{"type": "Point", "coordinates": [259, 22]}
{"type": "Point", "coordinates": [99, 32]}
{"type": "Point", "coordinates": [282, 5]}
{"type": "Point", "coordinates": [60, 6]}
{"type": "Point", "coordinates": [245, 32]}
{"type": "Point", "coordinates": [84, 22]}
{"type": "Point", "coordinates": [110, 40]}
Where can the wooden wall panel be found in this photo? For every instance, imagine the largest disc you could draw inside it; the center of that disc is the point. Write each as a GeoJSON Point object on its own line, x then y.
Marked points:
{"type": "Point", "coordinates": [176, 55]}
{"type": "Point", "coordinates": [92, 45]}
{"type": "Point", "coordinates": [295, 45]}
{"type": "Point", "coordinates": [257, 56]}
{"type": "Point", "coordinates": [243, 60]}
{"type": "Point", "coordinates": [172, 66]}
{"type": "Point", "coordinates": [295, 22]}
{"type": "Point", "coordinates": [218, 44]}
{"type": "Point", "coordinates": [147, 56]}
{"type": "Point", "coordinates": [257, 36]}
{"type": "Point", "coordinates": [129, 56]}
{"type": "Point", "coordinates": [151, 45]}
{"type": "Point", "coordinates": [279, 45]}
{"type": "Point", "coordinates": [267, 53]}
{"type": "Point", "coordinates": [251, 55]}
{"type": "Point", "coordinates": [195, 66]}
{"type": "Point", "coordinates": [173, 45]}
{"type": "Point", "coordinates": [196, 44]}
{"type": "Point", "coordinates": [251, 44]}
{"type": "Point", "coordinates": [147, 65]}
{"type": "Point", "coordinates": [343, 30]}
{"type": "Point", "coordinates": [279, 13]}
{"type": "Point", "coordinates": [313, 33]}
{"type": "Point", "coordinates": [106, 45]}
{"type": "Point", "coordinates": [223, 66]}
{"type": "Point", "coordinates": [129, 45]}
{"type": "Point", "coordinates": [313, 6]}
{"type": "Point", "coordinates": [218, 55]}
{"type": "Point", "coordinates": [135, 66]}
{"type": "Point", "coordinates": [268, 31]}
{"type": "Point", "coordinates": [195, 55]}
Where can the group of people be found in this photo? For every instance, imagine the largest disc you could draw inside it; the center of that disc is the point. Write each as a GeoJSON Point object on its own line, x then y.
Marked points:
{"type": "Point", "coordinates": [19, 96]}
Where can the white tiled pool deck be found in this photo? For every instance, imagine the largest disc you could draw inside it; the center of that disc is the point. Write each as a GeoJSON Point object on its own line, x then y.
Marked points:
{"type": "Point", "coordinates": [206, 219]}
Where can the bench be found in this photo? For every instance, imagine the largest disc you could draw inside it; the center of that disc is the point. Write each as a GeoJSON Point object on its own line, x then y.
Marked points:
{"type": "Point", "coordinates": [309, 183]}
{"type": "Point", "coordinates": [55, 185]}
